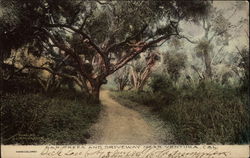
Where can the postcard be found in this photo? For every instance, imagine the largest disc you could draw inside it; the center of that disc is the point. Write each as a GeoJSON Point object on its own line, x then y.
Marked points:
{"type": "Point", "coordinates": [124, 79]}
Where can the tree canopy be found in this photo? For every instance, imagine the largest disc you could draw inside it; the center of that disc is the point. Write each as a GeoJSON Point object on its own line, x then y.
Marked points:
{"type": "Point", "coordinates": [96, 38]}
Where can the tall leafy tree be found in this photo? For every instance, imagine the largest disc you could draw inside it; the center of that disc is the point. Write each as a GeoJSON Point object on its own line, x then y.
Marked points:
{"type": "Point", "coordinates": [218, 31]}
{"type": "Point", "coordinates": [99, 37]}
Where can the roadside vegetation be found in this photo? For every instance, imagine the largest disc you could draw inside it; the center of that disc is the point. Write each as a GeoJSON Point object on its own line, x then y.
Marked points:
{"type": "Point", "coordinates": [208, 113]}
{"type": "Point", "coordinates": [29, 117]}
{"type": "Point", "coordinates": [199, 87]}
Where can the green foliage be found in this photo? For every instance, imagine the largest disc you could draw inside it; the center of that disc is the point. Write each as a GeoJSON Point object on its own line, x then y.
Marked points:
{"type": "Point", "coordinates": [121, 78]}
{"type": "Point", "coordinates": [20, 84]}
{"type": "Point", "coordinates": [175, 62]}
{"type": "Point", "coordinates": [140, 97]}
{"type": "Point", "coordinates": [17, 21]}
{"type": "Point", "coordinates": [160, 83]}
{"type": "Point", "coordinates": [208, 113]}
{"type": "Point", "coordinates": [202, 47]}
{"type": "Point", "coordinates": [164, 89]}
{"type": "Point", "coordinates": [110, 20]}
{"type": "Point", "coordinates": [244, 65]}
{"type": "Point", "coordinates": [60, 118]}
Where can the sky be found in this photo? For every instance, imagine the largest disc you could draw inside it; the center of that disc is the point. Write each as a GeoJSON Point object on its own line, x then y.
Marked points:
{"type": "Point", "coordinates": [196, 31]}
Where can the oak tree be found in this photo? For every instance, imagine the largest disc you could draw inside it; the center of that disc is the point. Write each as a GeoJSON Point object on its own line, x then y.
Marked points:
{"type": "Point", "coordinates": [98, 38]}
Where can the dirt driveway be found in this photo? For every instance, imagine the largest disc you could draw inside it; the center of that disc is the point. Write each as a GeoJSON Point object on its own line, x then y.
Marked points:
{"type": "Point", "coordinates": [121, 125]}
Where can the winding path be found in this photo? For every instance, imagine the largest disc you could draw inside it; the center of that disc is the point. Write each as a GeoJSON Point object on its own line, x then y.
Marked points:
{"type": "Point", "coordinates": [121, 125]}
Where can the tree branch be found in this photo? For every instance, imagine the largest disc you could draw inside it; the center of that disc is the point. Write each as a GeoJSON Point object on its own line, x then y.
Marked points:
{"type": "Point", "coordinates": [127, 39]}
{"type": "Point", "coordinates": [222, 47]}
{"type": "Point", "coordinates": [102, 3]}
{"type": "Point", "coordinates": [186, 38]}
{"type": "Point", "coordinates": [217, 34]}
{"type": "Point", "coordinates": [89, 41]}
{"type": "Point", "coordinates": [79, 32]}
{"type": "Point", "coordinates": [55, 73]}
{"type": "Point", "coordinates": [84, 22]}
{"type": "Point", "coordinates": [140, 48]}
{"type": "Point", "coordinates": [12, 74]}
{"type": "Point", "coordinates": [69, 51]}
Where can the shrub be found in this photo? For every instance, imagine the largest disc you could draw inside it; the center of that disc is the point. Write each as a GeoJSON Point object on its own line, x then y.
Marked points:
{"type": "Point", "coordinates": [62, 118]}
{"type": "Point", "coordinates": [20, 85]}
{"type": "Point", "coordinates": [160, 83]}
{"type": "Point", "coordinates": [164, 90]}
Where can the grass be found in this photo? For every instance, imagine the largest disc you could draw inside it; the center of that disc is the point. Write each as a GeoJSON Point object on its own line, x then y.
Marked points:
{"type": "Point", "coordinates": [60, 118]}
{"type": "Point", "coordinates": [209, 114]}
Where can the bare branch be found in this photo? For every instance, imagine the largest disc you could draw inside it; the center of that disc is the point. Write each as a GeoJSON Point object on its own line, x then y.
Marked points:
{"type": "Point", "coordinates": [44, 85]}
{"type": "Point", "coordinates": [217, 34]}
{"type": "Point", "coordinates": [204, 24]}
{"type": "Point", "coordinates": [247, 33]}
{"type": "Point", "coordinates": [222, 47]}
{"type": "Point", "coordinates": [186, 38]}
{"type": "Point", "coordinates": [11, 75]}
{"type": "Point", "coordinates": [164, 37]}
{"type": "Point", "coordinates": [164, 41]}
{"type": "Point", "coordinates": [66, 58]}
{"type": "Point", "coordinates": [102, 3]}
{"type": "Point", "coordinates": [195, 69]}
{"type": "Point", "coordinates": [84, 22]}
{"type": "Point", "coordinates": [233, 13]}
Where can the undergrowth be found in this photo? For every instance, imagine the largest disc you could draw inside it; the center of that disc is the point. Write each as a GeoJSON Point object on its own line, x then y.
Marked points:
{"type": "Point", "coordinates": [35, 118]}
{"type": "Point", "coordinates": [209, 113]}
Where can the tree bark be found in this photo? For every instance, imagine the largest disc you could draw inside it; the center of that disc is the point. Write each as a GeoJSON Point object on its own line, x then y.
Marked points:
{"type": "Point", "coordinates": [95, 90]}
{"type": "Point", "coordinates": [122, 86]}
{"type": "Point", "coordinates": [208, 71]}
{"type": "Point", "coordinates": [139, 78]}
